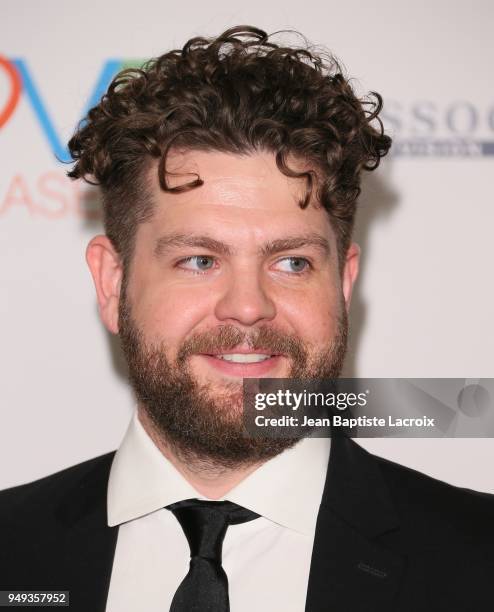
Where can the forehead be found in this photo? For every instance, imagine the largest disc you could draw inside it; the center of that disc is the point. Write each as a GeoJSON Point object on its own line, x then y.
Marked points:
{"type": "Point", "coordinates": [244, 193]}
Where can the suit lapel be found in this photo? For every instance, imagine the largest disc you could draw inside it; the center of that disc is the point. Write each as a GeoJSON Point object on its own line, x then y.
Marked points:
{"type": "Point", "coordinates": [89, 544]}
{"type": "Point", "coordinates": [349, 570]}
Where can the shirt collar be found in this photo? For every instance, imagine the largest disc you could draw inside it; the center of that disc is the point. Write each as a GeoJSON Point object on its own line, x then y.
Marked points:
{"type": "Point", "coordinates": [286, 489]}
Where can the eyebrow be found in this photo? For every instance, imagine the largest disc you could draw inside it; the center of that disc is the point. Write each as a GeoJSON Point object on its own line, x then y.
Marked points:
{"type": "Point", "coordinates": [168, 242]}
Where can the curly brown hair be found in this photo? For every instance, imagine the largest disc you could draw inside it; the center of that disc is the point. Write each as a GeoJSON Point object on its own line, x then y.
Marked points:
{"type": "Point", "coordinates": [237, 93]}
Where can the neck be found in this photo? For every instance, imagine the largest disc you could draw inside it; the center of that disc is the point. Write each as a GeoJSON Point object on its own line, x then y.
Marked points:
{"type": "Point", "coordinates": [208, 478]}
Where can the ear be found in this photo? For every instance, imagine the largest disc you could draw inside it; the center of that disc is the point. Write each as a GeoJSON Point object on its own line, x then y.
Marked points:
{"type": "Point", "coordinates": [106, 270]}
{"type": "Point", "coordinates": [350, 272]}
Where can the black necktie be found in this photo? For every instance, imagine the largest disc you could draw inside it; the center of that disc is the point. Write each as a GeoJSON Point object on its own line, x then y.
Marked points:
{"type": "Point", "coordinates": [205, 588]}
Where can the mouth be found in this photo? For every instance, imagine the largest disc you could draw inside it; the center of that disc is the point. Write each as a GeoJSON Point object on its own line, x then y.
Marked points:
{"type": "Point", "coordinates": [244, 363]}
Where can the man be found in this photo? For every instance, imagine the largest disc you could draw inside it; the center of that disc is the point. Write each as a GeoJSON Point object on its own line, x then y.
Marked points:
{"type": "Point", "coordinates": [229, 172]}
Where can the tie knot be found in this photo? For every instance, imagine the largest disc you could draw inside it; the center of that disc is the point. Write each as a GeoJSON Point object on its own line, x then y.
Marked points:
{"type": "Point", "coordinates": [205, 523]}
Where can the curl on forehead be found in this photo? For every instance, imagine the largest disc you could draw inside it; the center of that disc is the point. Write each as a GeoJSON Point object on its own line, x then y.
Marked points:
{"type": "Point", "coordinates": [223, 173]}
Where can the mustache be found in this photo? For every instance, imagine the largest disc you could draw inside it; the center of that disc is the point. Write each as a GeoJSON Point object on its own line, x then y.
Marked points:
{"type": "Point", "coordinates": [227, 337]}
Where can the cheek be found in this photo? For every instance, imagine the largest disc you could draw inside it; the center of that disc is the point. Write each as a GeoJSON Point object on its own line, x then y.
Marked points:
{"type": "Point", "coordinates": [313, 315]}
{"type": "Point", "coordinates": [170, 312]}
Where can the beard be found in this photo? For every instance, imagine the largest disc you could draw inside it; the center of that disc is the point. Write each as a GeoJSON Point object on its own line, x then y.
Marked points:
{"type": "Point", "coordinates": [203, 423]}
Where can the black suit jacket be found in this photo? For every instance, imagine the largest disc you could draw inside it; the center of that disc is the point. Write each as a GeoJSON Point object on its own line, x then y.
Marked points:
{"type": "Point", "coordinates": [388, 539]}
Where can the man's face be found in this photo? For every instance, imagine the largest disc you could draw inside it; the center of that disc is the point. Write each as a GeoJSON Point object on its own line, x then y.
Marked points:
{"type": "Point", "coordinates": [229, 280]}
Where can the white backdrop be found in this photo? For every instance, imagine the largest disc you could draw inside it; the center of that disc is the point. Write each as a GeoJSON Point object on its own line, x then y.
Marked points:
{"type": "Point", "coordinates": [425, 298]}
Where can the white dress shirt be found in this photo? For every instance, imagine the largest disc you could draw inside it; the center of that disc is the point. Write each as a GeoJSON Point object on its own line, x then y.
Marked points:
{"type": "Point", "coordinates": [267, 560]}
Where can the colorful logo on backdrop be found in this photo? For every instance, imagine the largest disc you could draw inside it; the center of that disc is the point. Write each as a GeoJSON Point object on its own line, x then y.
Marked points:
{"type": "Point", "coordinates": [21, 81]}
{"type": "Point", "coordinates": [47, 193]}
{"type": "Point", "coordinates": [419, 128]}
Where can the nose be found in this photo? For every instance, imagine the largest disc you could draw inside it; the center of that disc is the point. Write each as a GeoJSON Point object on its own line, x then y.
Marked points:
{"type": "Point", "coordinates": [245, 301]}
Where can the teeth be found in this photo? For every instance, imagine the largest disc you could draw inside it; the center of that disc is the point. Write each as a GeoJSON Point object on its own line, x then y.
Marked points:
{"type": "Point", "coordinates": [244, 358]}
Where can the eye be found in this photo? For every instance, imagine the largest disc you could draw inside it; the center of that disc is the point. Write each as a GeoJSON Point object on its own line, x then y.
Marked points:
{"type": "Point", "coordinates": [197, 263]}
{"type": "Point", "coordinates": [294, 265]}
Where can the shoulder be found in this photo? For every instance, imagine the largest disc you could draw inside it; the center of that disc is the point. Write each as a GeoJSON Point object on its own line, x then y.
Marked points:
{"type": "Point", "coordinates": [445, 535]}
{"type": "Point", "coordinates": [437, 509]}
{"type": "Point", "coordinates": [47, 525]}
{"type": "Point", "coordinates": [48, 491]}
{"type": "Point", "coordinates": [413, 487]}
